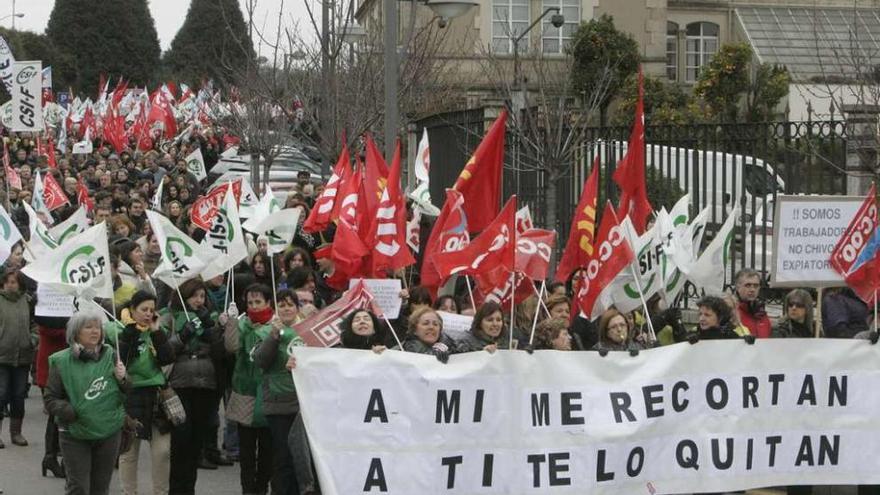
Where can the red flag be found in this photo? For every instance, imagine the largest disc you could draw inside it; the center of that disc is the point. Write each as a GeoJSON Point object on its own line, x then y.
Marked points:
{"type": "Point", "coordinates": [630, 173]}
{"type": "Point", "coordinates": [50, 153]}
{"type": "Point", "coordinates": [389, 228]}
{"type": "Point", "coordinates": [349, 255]}
{"type": "Point", "coordinates": [82, 196]}
{"type": "Point", "coordinates": [497, 285]}
{"type": "Point", "coordinates": [579, 247]}
{"type": "Point", "coordinates": [493, 247]}
{"type": "Point", "coordinates": [205, 207]}
{"type": "Point", "coordinates": [161, 111]}
{"type": "Point", "coordinates": [856, 235]}
{"type": "Point", "coordinates": [450, 233]}
{"type": "Point", "coordinates": [87, 124]}
{"type": "Point", "coordinates": [533, 251]}
{"type": "Point", "coordinates": [375, 175]}
{"type": "Point", "coordinates": [612, 254]}
{"type": "Point", "coordinates": [53, 195]}
{"type": "Point", "coordinates": [12, 176]}
{"type": "Point", "coordinates": [349, 190]}
{"type": "Point", "coordinates": [322, 213]}
{"type": "Point", "coordinates": [480, 181]}
{"type": "Point", "coordinates": [323, 328]}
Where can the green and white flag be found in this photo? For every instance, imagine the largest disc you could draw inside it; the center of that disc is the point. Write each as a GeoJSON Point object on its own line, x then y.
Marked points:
{"type": "Point", "coordinates": [225, 238]}
{"type": "Point", "coordinates": [671, 225]}
{"type": "Point", "coordinates": [710, 269]}
{"type": "Point", "coordinates": [80, 267]}
{"type": "Point", "coordinates": [9, 235]}
{"type": "Point", "coordinates": [182, 257]}
{"type": "Point", "coordinates": [279, 227]}
{"type": "Point", "coordinates": [421, 195]}
{"type": "Point", "coordinates": [648, 251]}
{"type": "Point", "coordinates": [75, 224]}
{"type": "Point", "coordinates": [259, 212]}
{"type": "Point", "coordinates": [248, 199]}
{"type": "Point", "coordinates": [156, 202]}
{"type": "Point", "coordinates": [195, 163]}
{"type": "Point", "coordinates": [684, 246]}
{"type": "Point", "coordinates": [41, 242]}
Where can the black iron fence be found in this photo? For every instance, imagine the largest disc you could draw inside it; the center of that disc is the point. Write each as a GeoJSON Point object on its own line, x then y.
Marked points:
{"type": "Point", "coordinates": [719, 165]}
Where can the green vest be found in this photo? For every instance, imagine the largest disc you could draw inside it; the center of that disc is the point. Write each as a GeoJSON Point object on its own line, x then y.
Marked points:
{"type": "Point", "coordinates": [247, 376]}
{"type": "Point", "coordinates": [143, 371]}
{"type": "Point", "coordinates": [93, 392]}
{"type": "Point", "coordinates": [278, 377]}
{"type": "Point", "coordinates": [178, 319]}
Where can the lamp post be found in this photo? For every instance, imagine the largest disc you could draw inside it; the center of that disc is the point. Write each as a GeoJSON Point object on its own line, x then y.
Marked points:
{"type": "Point", "coordinates": [13, 16]}
{"type": "Point", "coordinates": [518, 81]}
{"type": "Point", "coordinates": [446, 10]}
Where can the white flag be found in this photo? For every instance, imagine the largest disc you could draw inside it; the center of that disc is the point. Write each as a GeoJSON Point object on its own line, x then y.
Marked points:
{"type": "Point", "coordinates": [248, 199]}
{"type": "Point", "coordinates": [75, 224]}
{"type": "Point", "coordinates": [421, 197]}
{"type": "Point", "coordinates": [413, 230]}
{"type": "Point", "coordinates": [685, 243]}
{"type": "Point", "coordinates": [279, 227]}
{"type": "Point", "coordinates": [182, 257]}
{"type": "Point", "coordinates": [422, 165]}
{"type": "Point", "coordinates": [9, 235]}
{"type": "Point", "coordinates": [41, 242]}
{"type": "Point", "coordinates": [27, 94]}
{"type": "Point", "coordinates": [265, 207]}
{"type": "Point", "coordinates": [6, 61]}
{"type": "Point", "coordinates": [195, 163]}
{"type": "Point", "coordinates": [225, 238]}
{"type": "Point", "coordinates": [646, 265]}
{"type": "Point", "coordinates": [156, 203]}
{"type": "Point", "coordinates": [231, 152]}
{"type": "Point", "coordinates": [38, 199]}
{"type": "Point", "coordinates": [81, 266]}
{"type": "Point", "coordinates": [709, 270]}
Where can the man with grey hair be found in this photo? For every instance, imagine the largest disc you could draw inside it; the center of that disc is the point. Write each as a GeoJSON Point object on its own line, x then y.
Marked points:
{"type": "Point", "coordinates": [750, 307]}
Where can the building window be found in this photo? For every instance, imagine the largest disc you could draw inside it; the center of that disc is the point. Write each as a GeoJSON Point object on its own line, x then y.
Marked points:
{"type": "Point", "coordinates": [509, 18]}
{"type": "Point", "coordinates": [672, 51]}
{"type": "Point", "coordinates": [554, 40]}
{"type": "Point", "coordinates": [701, 44]}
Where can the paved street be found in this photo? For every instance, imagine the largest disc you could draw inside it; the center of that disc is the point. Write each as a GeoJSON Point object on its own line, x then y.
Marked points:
{"type": "Point", "coordinates": [20, 466]}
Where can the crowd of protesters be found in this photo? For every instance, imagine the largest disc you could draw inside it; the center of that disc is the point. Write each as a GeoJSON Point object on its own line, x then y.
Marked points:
{"type": "Point", "coordinates": [228, 361]}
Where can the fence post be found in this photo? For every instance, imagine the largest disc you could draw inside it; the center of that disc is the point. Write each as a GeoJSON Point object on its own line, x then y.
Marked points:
{"type": "Point", "coordinates": [861, 146]}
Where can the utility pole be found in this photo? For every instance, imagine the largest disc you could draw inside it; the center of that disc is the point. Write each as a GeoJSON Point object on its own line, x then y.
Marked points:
{"type": "Point", "coordinates": [391, 76]}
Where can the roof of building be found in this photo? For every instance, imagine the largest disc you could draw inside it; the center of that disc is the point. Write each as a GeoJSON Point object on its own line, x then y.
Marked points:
{"type": "Point", "coordinates": [814, 43]}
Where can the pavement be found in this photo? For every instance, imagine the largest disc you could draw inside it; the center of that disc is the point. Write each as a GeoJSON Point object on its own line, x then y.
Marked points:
{"type": "Point", "coordinates": [20, 466]}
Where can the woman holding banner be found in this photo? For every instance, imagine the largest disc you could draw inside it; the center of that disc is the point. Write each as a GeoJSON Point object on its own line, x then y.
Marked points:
{"type": "Point", "coordinates": [615, 332]}
{"type": "Point", "coordinates": [197, 344]}
{"type": "Point", "coordinates": [487, 330]}
{"type": "Point", "coordinates": [280, 402]}
{"type": "Point", "coordinates": [797, 319]}
{"type": "Point", "coordinates": [426, 335]}
{"type": "Point", "coordinates": [362, 330]}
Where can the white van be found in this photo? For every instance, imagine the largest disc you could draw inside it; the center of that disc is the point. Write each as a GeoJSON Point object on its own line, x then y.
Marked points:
{"type": "Point", "coordinates": [716, 179]}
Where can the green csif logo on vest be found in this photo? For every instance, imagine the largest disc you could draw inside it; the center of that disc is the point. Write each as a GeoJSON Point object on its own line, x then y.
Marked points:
{"type": "Point", "coordinates": [178, 266]}
{"type": "Point", "coordinates": [97, 386]}
{"type": "Point", "coordinates": [80, 267]}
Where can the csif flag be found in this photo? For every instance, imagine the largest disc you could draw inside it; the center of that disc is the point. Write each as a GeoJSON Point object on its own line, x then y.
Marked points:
{"type": "Point", "coordinates": [9, 235]}
{"type": "Point", "coordinates": [480, 181]}
{"type": "Point", "coordinates": [70, 228]}
{"type": "Point", "coordinates": [40, 241]}
{"type": "Point", "coordinates": [195, 164]}
{"type": "Point", "coordinates": [182, 257]}
{"type": "Point", "coordinates": [224, 238]}
{"type": "Point", "coordinates": [279, 228]}
{"type": "Point", "coordinates": [81, 266]}
{"type": "Point", "coordinates": [709, 270]}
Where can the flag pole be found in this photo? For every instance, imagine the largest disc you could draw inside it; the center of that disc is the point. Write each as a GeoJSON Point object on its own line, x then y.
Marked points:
{"type": "Point", "coordinates": [635, 275]}
{"type": "Point", "coordinates": [541, 304]}
{"type": "Point", "coordinates": [393, 332]}
{"type": "Point", "coordinates": [112, 317]}
{"type": "Point", "coordinates": [512, 306]}
{"type": "Point", "coordinates": [182, 302]}
{"type": "Point", "coordinates": [535, 322]}
{"type": "Point", "coordinates": [470, 292]}
{"type": "Point", "coordinates": [272, 271]}
{"type": "Point", "coordinates": [817, 323]}
{"type": "Point", "coordinates": [875, 310]}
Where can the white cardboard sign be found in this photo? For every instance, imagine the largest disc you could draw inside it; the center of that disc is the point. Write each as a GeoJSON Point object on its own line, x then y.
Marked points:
{"type": "Point", "coordinates": [386, 293]}
{"type": "Point", "coordinates": [53, 302]}
{"type": "Point", "coordinates": [27, 96]}
{"type": "Point", "coordinates": [805, 231]}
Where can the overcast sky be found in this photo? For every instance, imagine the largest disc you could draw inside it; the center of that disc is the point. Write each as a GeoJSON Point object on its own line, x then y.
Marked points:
{"type": "Point", "coordinates": [167, 14]}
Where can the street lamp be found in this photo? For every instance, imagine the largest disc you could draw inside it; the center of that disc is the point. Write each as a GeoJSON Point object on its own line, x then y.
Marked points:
{"type": "Point", "coordinates": [557, 20]}
{"type": "Point", "coordinates": [446, 10]}
{"type": "Point", "coordinates": [13, 16]}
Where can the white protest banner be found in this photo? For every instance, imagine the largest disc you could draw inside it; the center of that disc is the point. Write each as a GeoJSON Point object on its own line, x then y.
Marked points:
{"type": "Point", "coordinates": [386, 294]}
{"type": "Point", "coordinates": [52, 302]}
{"type": "Point", "coordinates": [453, 322]}
{"type": "Point", "coordinates": [805, 231]}
{"type": "Point", "coordinates": [669, 420]}
{"type": "Point", "coordinates": [27, 96]}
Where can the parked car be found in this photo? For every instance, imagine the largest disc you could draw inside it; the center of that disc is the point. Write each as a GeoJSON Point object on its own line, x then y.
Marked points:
{"type": "Point", "coordinates": [282, 175]}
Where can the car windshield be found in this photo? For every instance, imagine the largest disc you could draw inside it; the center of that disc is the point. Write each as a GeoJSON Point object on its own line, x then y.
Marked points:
{"type": "Point", "coordinates": [758, 181]}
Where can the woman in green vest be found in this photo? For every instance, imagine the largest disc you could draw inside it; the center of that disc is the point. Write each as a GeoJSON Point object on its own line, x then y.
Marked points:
{"type": "Point", "coordinates": [144, 349]}
{"type": "Point", "coordinates": [245, 406]}
{"type": "Point", "coordinates": [85, 392]}
{"type": "Point", "coordinates": [280, 404]}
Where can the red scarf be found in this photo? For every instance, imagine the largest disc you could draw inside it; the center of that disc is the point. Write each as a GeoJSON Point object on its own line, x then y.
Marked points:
{"type": "Point", "coordinates": [260, 317]}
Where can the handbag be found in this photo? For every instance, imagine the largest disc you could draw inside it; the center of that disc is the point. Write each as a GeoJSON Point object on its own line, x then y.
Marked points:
{"type": "Point", "coordinates": [171, 406]}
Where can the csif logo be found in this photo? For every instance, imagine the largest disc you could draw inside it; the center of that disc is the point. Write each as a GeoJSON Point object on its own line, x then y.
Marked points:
{"type": "Point", "coordinates": [95, 388]}
{"type": "Point", "coordinates": [178, 266]}
{"type": "Point", "coordinates": [194, 166]}
{"type": "Point", "coordinates": [26, 73]}
{"type": "Point", "coordinates": [81, 268]}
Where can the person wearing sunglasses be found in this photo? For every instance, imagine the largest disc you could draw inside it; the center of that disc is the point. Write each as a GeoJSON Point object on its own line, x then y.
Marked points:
{"type": "Point", "coordinates": [797, 319]}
